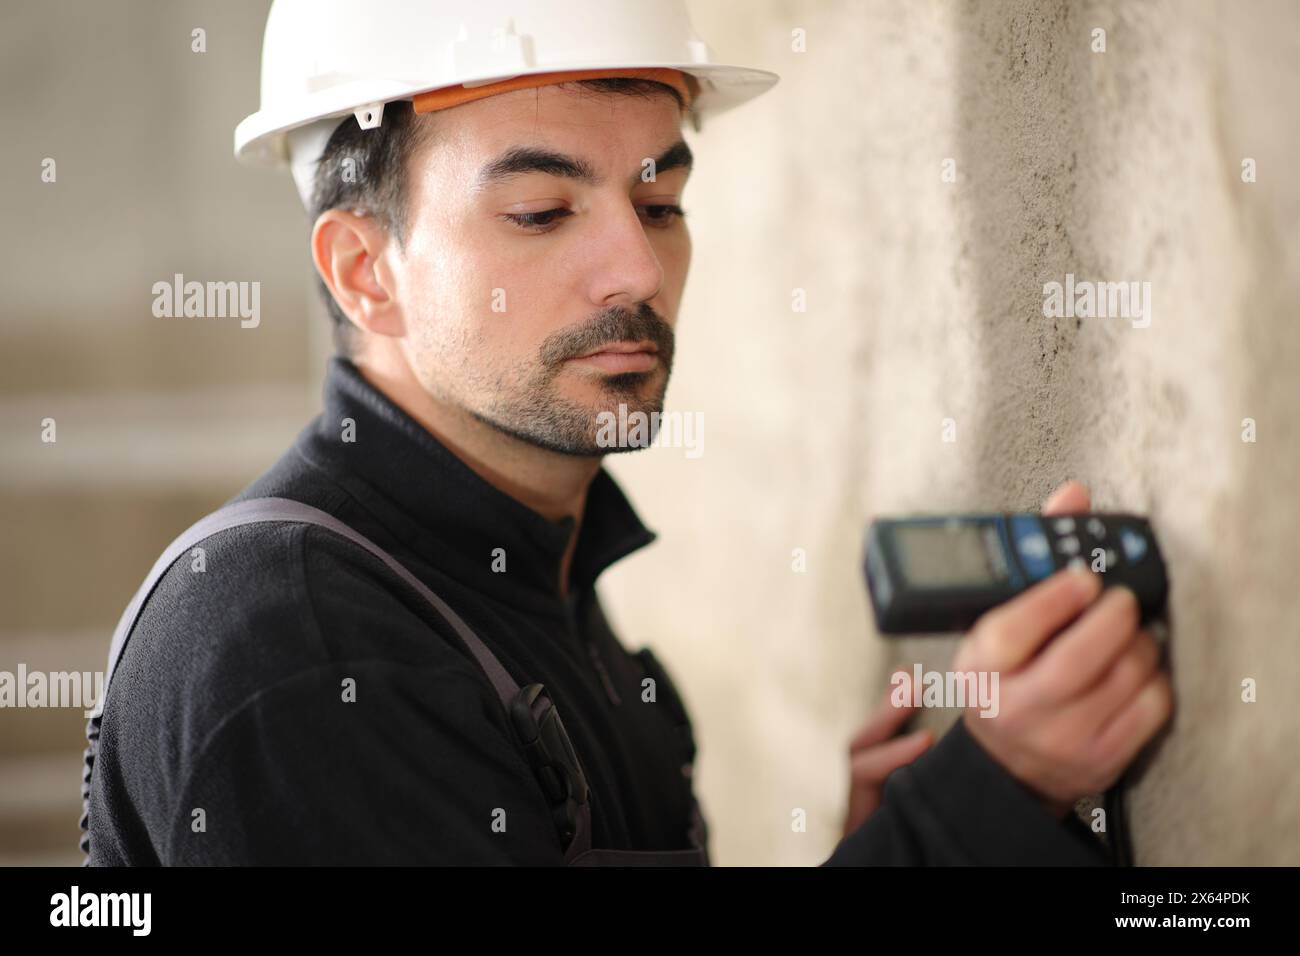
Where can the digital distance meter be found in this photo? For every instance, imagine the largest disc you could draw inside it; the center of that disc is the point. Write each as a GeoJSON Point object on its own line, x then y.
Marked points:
{"type": "Point", "coordinates": [941, 572]}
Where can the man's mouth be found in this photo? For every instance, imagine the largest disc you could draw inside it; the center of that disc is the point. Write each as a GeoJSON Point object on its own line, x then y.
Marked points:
{"type": "Point", "coordinates": [617, 357]}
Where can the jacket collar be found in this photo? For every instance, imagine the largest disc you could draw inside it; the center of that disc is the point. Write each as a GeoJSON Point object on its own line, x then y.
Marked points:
{"type": "Point", "coordinates": [441, 508]}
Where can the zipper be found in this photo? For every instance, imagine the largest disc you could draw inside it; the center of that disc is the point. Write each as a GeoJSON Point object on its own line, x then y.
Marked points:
{"type": "Point", "coordinates": [610, 692]}
{"type": "Point", "coordinates": [593, 653]}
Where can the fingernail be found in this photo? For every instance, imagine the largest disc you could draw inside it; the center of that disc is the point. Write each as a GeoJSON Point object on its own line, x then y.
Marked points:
{"type": "Point", "coordinates": [1084, 579]}
{"type": "Point", "coordinates": [1132, 595]}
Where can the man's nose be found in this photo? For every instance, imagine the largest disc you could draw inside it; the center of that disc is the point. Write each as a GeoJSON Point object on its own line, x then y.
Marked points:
{"type": "Point", "coordinates": [627, 269]}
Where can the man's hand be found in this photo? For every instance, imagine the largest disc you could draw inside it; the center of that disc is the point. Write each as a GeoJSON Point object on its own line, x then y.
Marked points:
{"type": "Point", "coordinates": [1080, 688]}
{"type": "Point", "coordinates": [875, 753]}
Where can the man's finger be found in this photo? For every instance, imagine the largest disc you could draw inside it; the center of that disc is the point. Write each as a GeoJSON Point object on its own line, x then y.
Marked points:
{"type": "Point", "coordinates": [1128, 673]}
{"type": "Point", "coordinates": [1072, 496]}
{"type": "Point", "coordinates": [1128, 732]}
{"type": "Point", "coordinates": [875, 764]}
{"type": "Point", "coordinates": [1087, 648]}
{"type": "Point", "coordinates": [1006, 637]}
{"type": "Point", "coordinates": [887, 717]}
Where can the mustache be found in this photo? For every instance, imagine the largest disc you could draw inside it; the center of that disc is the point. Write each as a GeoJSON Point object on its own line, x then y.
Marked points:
{"type": "Point", "coordinates": [615, 324]}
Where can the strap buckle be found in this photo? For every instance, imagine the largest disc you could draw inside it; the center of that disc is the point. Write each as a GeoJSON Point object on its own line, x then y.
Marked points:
{"type": "Point", "coordinates": [550, 753]}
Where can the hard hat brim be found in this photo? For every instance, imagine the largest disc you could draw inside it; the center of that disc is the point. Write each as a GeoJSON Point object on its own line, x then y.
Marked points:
{"type": "Point", "coordinates": [260, 139]}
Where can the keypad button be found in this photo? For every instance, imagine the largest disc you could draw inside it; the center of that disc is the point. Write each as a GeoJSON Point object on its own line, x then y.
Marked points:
{"type": "Point", "coordinates": [1032, 547]}
{"type": "Point", "coordinates": [1134, 544]}
{"type": "Point", "coordinates": [1068, 545]}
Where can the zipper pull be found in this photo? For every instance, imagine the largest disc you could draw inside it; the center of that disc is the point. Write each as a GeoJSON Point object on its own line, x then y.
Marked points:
{"type": "Point", "coordinates": [599, 664]}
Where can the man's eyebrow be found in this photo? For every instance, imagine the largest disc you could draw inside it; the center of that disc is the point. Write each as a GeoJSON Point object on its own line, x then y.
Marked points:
{"type": "Point", "coordinates": [676, 156]}
{"type": "Point", "coordinates": [520, 160]}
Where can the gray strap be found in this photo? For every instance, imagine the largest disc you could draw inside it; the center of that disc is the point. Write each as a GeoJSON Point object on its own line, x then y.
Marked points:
{"type": "Point", "coordinates": [258, 510]}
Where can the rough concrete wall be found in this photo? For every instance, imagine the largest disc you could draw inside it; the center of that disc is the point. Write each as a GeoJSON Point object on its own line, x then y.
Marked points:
{"type": "Point", "coordinates": [924, 302]}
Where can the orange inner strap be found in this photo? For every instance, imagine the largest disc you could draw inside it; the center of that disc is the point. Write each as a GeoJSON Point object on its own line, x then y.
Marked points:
{"type": "Point", "coordinates": [450, 96]}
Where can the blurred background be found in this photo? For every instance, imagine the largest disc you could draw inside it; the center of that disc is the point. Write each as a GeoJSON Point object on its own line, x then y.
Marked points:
{"type": "Point", "coordinates": [919, 173]}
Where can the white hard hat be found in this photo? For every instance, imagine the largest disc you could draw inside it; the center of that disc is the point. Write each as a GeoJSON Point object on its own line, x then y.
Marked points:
{"type": "Point", "coordinates": [323, 60]}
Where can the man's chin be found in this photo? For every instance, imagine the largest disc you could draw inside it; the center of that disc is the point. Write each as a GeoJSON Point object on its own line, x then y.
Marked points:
{"type": "Point", "coordinates": [576, 434]}
{"type": "Point", "coordinates": [628, 426]}
{"type": "Point", "coordinates": [620, 413]}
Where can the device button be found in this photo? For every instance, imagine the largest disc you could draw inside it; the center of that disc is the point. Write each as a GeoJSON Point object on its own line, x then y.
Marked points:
{"type": "Point", "coordinates": [1068, 545]}
{"type": "Point", "coordinates": [1134, 544]}
{"type": "Point", "coordinates": [1063, 525]}
{"type": "Point", "coordinates": [1112, 559]}
{"type": "Point", "coordinates": [1076, 563]}
{"type": "Point", "coordinates": [1032, 547]}
{"type": "Point", "coordinates": [1096, 528]}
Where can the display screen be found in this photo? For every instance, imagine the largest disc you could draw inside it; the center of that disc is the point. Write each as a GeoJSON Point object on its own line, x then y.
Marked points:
{"type": "Point", "coordinates": [950, 555]}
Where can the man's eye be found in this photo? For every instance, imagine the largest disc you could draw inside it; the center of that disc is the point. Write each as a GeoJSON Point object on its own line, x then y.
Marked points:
{"type": "Point", "coordinates": [657, 215]}
{"type": "Point", "coordinates": [537, 221]}
{"type": "Point", "coordinates": [663, 215]}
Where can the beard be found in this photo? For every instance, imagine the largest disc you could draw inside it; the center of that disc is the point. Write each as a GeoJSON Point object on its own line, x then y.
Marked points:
{"type": "Point", "coordinates": [537, 412]}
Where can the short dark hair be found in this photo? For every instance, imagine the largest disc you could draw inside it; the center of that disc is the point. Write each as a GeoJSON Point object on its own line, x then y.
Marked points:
{"type": "Point", "coordinates": [365, 170]}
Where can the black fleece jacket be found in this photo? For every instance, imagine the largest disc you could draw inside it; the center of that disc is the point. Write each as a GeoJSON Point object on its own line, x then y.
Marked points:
{"type": "Point", "coordinates": [284, 699]}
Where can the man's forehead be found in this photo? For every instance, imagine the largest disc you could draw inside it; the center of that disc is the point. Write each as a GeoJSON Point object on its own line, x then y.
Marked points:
{"type": "Point", "coordinates": [576, 134]}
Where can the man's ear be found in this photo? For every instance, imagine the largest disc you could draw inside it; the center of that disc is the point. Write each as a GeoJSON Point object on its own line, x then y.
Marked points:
{"type": "Point", "coordinates": [349, 251]}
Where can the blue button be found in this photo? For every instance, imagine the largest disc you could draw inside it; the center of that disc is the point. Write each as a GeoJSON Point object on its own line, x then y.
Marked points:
{"type": "Point", "coordinates": [1134, 544]}
{"type": "Point", "coordinates": [1032, 546]}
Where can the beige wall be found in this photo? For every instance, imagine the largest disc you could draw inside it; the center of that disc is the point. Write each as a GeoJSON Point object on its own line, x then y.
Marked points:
{"type": "Point", "coordinates": [923, 303]}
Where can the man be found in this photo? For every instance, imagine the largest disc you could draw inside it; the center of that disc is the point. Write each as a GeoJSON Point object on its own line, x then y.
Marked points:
{"type": "Point", "coordinates": [501, 272]}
